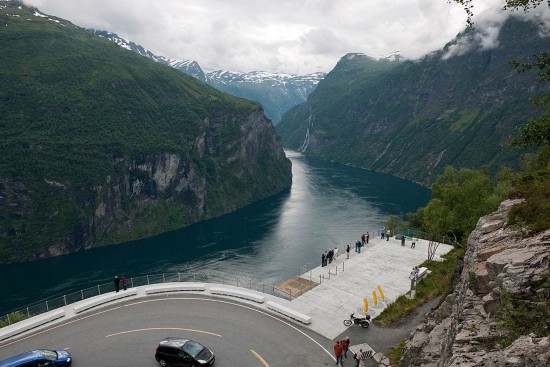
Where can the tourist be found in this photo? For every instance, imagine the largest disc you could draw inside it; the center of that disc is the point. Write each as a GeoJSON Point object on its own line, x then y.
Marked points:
{"type": "Point", "coordinates": [367, 238]}
{"type": "Point", "coordinates": [413, 244]}
{"type": "Point", "coordinates": [363, 239]}
{"type": "Point", "coordinates": [413, 277]}
{"type": "Point", "coordinates": [117, 283]}
{"type": "Point", "coordinates": [403, 240]}
{"type": "Point", "coordinates": [324, 259]}
{"type": "Point", "coordinates": [124, 282]}
{"type": "Point", "coordinates": [338, 352]}
{"type": "Point", "coordinates": [330, 255]}
{"type": "Point", "coordinates": [335, 253]}
{"type": "Point", "coordinates": [348, 247]}
{"type": "Point", "coordinates": [358, 246]}
{"type": "Point", "coordinates": [346, 342]}
{"type": "Point", "coordinates": [382, 232]}
{"type": "Point", "coordinates": [358, 357]}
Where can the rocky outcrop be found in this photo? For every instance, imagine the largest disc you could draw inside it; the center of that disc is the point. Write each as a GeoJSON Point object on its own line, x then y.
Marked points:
{"type": "Point", "coordinates": [470, 328]}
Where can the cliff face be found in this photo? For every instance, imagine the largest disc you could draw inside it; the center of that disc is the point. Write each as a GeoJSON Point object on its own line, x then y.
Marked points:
{"type": "Point", "coordinates": [147, 194]}
{"type": "Point", "coordinates": [100, 145]}
{"type": "Point", "coordinates": [503, 292]}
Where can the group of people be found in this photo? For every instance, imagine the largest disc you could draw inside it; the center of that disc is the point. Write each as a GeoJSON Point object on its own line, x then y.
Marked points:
{"type": "Point", "coordinates": [118, 281]}
{"type": "Point", "coordinates": [341, 348]}
{"type": "Point", "coordinates": [329, 256]}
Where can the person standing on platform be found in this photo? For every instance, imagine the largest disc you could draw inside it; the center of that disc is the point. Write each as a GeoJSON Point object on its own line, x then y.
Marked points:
{"type": "Point", "coordinates": [358, 357]}
{"type": "Point", "coordinates": [367, 238]}
{"type": "Point", "coordinates": [413, 244]}
{"type": "Point", "coordinates": [363, 239]}
{"type": "Point", "coordinates": [117, 283]}
{"type": "Point", "coordinates": [124, 282]}
{"type": "Point", "coordinates": [338, 352]}
{"type": "Point", "coordinates": [348, 248]}
{"type": "Point", "coordinates": [335, 253]}
{"type": "Point", "coordinates": [324, 259]}
{"type": "Point", "coordinates": [330, 255]}
{"type": "Point", "coordinates": [403, 240]}
{"type": "Point", "coordinates": [358, 246]}
{"type": "Point", "coordinates": [346, 342]}
{"type": "Point", "coordinates": [382, 232]}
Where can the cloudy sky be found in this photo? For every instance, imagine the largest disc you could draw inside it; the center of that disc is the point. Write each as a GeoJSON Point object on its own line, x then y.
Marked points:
{"type": "Point", "coordinates": [291, 36]}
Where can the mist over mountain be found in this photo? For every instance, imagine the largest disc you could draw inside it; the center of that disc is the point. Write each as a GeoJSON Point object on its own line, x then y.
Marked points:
{"type": "Point", "coordinates": [457, 106]}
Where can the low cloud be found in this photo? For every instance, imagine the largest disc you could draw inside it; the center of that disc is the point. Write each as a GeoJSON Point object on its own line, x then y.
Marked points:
{"type": "Point", "coordinates": [280, 36]}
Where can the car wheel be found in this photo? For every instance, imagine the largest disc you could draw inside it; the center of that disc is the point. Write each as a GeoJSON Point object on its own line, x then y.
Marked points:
{"type": "Point", "coordinates": [162, 362]}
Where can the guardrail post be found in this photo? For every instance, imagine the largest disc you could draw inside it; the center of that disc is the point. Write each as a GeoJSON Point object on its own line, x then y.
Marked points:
{"type": "Point", "coordinates": [263, 287]}
{"type": "Point", "coordinates": [8, 316]}
{"type": "Point", "coordinates": [98, 289]}
{"type": "Point", "coordinates": [28, 313]}
{"type": "Point", "coordinates": [132, 282]}
{"type": "Point", "coordinates": [147, 279]}
{"type": "Point", "coordinates": [82, 294]}
{"type": "Point", "coordinates": [250, 283]}
{"type": "Point", "coordinates": [47, 309]}
{"type": "Point", "coordinates": [237, 282]}
{"type": "Point", "coordinates": [163, 278]}
{"type": "Point", "coordinates": [65, 299]}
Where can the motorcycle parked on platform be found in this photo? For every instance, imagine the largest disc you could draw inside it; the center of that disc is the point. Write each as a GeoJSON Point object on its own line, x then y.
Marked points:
{"type": "Point", "coordinates": [364, 322]}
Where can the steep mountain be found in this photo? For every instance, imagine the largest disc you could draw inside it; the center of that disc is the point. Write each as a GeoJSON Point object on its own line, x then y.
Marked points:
{"type": "Point", "coordinates": [277, 93]}
{"type": "Point", "coordinates": [189, 67]}
{"type": "Point", "coordinates": [101, 146]}
{"type": "Point", "coordinates": [455, 107]}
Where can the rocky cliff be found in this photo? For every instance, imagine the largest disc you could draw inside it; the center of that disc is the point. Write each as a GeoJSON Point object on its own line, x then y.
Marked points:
{"type": "Point", "coordinates": [498, 313]}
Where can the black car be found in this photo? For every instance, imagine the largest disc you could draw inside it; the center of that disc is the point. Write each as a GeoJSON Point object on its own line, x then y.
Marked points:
{"type": "Point", "coordinates": [183, 352]}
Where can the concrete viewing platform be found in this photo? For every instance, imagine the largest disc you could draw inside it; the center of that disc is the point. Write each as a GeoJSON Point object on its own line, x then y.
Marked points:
{"type": "Point", "coordinates": [331, 293]}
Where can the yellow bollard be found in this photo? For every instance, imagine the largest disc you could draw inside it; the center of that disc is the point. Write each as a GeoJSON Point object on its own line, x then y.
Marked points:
{"type": "Point", "coordinates": [374, 298]}
{"type": "Point", "coordinates": [366, 305]}
{"type": "Point", "coordinates": [382, 298]}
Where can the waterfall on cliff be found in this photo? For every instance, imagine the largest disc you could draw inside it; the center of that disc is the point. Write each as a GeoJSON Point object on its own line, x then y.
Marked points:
{"type": "Point", "coordinates": [305, 144]}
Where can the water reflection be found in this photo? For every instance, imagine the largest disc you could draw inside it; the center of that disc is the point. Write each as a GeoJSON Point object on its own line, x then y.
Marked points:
{"type": "Point", "coordinates": [328, 205]}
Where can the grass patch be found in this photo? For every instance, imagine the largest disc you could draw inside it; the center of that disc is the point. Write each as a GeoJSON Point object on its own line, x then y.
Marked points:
{"type": "Point", "coordinates": [395, 353]}
{"type": "Point", "coordinates": [435, 284]}
{"type": "Point", "coordinates": [14, 317]}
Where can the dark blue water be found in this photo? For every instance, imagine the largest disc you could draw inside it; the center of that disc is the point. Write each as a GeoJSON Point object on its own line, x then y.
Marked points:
{"type": "Point", "coordinates": [270, 241]}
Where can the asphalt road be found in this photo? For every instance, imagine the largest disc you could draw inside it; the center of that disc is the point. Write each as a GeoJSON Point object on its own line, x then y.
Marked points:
{"type": "Point", "coordinates": [127, 335]}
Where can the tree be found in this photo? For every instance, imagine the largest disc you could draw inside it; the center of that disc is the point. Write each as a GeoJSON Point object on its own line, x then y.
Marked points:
{"type": "Point", "coordinates": [512, 5]}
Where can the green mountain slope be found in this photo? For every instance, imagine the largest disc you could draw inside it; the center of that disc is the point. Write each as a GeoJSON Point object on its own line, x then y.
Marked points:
{"type": "Point", "coordinates": [100, 145]}
{"type": "Point", "coordinates": [412, 119]}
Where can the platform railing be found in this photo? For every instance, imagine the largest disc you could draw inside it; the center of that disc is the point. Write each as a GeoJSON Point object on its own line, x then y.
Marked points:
{"type": "Point", "coordinates": [69, 298]}
{"type": "Point", "coordinates": [55, 302]}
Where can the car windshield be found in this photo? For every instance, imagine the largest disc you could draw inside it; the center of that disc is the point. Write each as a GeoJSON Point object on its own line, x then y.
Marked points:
{"type": "Point", "coordinates": [50, 355]}
{"type": "Point", "coordinates": [192, 348]}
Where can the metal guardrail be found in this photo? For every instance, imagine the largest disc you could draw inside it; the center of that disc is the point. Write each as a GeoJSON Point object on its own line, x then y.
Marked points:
{"type": "Point", "coordinates": [66, 299]}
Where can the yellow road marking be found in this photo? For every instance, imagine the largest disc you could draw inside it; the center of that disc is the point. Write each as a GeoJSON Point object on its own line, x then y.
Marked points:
{"type": "Point", "coordinates": [260, 358]}
{"type": "Point", "coordinates": [162, 328]}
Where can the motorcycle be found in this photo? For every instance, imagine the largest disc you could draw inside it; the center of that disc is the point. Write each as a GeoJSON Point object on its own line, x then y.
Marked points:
{"type": "Point", "coordinates": [364, 322]}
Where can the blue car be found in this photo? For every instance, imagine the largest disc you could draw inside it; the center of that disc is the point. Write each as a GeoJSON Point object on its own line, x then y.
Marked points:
{"type": "Point", "coordinates": [39, 358]}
